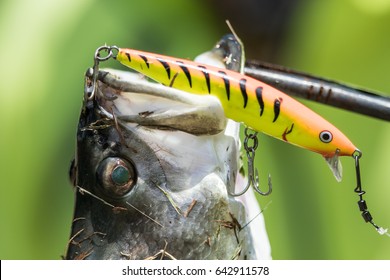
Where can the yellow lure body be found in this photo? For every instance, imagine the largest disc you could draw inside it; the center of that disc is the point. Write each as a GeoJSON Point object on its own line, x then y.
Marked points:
{"type": "Point", "coordinates": [244, 99]}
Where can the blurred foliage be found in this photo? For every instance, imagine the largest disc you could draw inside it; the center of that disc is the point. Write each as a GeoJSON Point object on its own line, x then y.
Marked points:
{"type": "Point", "coordinates": [46, 47]}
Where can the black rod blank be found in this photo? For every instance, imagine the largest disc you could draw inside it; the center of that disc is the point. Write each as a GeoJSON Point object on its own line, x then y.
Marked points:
{"type": "Point", "coordinates": [320, 90]}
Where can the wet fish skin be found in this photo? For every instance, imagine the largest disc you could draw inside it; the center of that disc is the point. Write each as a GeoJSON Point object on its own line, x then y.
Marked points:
{"type": "Point", "coordinates": [101, 232]}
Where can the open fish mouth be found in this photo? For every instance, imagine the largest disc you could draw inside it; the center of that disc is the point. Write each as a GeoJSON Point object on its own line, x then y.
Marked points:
{"type": "Point", "coordinates": [152, 172]}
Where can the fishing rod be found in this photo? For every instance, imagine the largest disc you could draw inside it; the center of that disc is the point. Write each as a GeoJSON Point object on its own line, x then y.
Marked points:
{"type": "Point", "coordinates": [321, 90]}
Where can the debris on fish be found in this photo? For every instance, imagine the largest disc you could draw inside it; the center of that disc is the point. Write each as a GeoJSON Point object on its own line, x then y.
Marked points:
{"type": "Point", "coordinates": [153, 169]}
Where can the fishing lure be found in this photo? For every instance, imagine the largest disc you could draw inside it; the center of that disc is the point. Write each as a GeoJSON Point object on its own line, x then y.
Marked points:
{"type": "Point", "coordinates": [244, 99]}
{"type": "Point", "coordinates": [254, 103]}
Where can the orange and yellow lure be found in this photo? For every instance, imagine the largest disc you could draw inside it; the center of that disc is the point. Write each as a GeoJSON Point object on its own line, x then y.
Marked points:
{"type": "Point", "coordinates": [244, 99]}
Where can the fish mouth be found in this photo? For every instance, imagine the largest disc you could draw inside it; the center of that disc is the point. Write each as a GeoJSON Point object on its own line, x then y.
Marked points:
{"type": "Point", "coordinates": [126, 97]}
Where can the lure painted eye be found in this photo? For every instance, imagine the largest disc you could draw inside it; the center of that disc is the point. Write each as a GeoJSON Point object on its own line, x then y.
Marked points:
{"type": "Point", "coordinates": [326, 136]}
{"type": "Point", "coordinates": [116, 176]}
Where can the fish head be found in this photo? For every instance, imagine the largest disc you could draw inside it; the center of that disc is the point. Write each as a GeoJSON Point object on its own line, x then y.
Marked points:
{"type": "Point", "coordinates": [151, 176]}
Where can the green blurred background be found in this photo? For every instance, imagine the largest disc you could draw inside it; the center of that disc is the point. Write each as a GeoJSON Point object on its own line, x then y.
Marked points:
{"type": "Point", "coordinates": [46, 46]}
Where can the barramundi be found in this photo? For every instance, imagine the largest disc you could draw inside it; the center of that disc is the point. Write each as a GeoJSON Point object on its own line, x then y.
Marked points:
{"type": "Point", "coordinates": [154, 171]}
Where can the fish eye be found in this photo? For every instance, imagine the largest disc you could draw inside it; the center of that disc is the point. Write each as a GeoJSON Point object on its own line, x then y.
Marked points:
{"type": "Point", "coordinates": [326, 136]}
{"type": "Point", "coordinates": [116, 176]}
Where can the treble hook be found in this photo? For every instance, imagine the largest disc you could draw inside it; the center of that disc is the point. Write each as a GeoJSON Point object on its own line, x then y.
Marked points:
{"type": "Point", "coordinates": [362, 203]}
{"type": "Point", "coordinates": [253, 174]}
{"type": "Point", "coordinates": [92, 73]}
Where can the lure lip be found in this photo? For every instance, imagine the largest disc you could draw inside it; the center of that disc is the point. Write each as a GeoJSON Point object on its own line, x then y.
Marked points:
{"type": "Point", "coordinates": [335, 165]}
